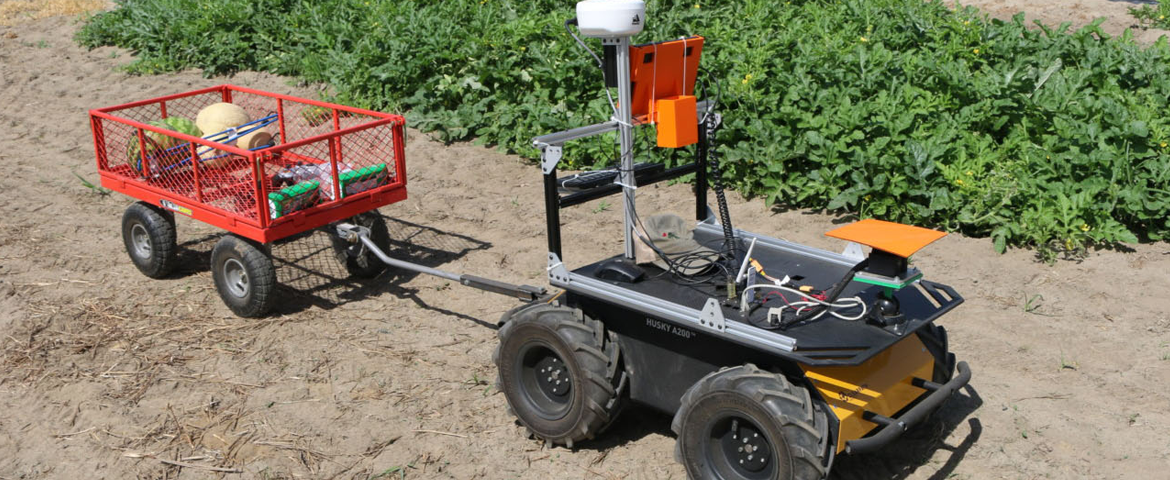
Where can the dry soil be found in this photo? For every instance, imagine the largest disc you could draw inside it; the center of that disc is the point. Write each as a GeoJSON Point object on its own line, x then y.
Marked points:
{"type": "Point", "coordinates": [107, 374]}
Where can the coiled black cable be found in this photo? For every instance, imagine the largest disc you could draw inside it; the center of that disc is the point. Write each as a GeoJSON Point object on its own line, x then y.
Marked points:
{"type": "Point", "coordinates": [712, 125]}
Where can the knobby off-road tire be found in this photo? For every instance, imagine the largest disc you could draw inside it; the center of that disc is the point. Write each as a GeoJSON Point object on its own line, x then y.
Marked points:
{"type": "Point", "coordinates": [746, 423]}
{"type": "Point", "coordinates": [244, 276]}
{"type": "Point", "coordinates": [934, 338]}
{"type": "Point", "coordinates": [149, 235]}
{"type": "Point", "coordinates": [359, 261]}
{"type": "Point", "coordinates": [559, 371]}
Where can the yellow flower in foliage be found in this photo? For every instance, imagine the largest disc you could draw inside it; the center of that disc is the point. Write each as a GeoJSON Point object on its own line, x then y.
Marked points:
{"type": "Point", "coordinates": [1086, 227]}
{"type": "Point", "coordinates": [863, 39]}
{"type": "Point", "coordinates": [1163, 144]}
{"type": "Point", "coordinates": [696, 5]}
{"type": "Point", "coordinates": [747, 78]}
{"type": "Point", "coordinates": [959, 182]}
{"type": "Point", "coordinates": [970, 173]}
{"type": "Point", "coordinates": [976, 51]}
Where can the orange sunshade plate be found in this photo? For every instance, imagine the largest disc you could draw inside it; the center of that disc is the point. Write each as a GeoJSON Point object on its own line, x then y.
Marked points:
{"type": "Point", "coordinates": [663, 70]}
{"type": "Point", "coordinates": [898, 239]}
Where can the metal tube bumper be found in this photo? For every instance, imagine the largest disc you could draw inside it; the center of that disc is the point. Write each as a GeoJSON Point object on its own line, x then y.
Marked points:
{"type": "Point", "coordinates": [898, 426]}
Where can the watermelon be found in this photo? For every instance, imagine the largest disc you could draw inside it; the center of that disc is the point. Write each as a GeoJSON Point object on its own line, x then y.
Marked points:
{"type": "Point", "coordinates": [157, 143]}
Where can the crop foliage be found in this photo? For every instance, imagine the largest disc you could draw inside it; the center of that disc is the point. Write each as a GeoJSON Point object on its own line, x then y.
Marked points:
{"type": "Point", "coordinates": [904, 110]}
{"type": "Point", "coordinates": [1156, 15]}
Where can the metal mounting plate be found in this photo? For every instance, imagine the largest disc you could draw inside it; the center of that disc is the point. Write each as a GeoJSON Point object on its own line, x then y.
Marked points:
{"type": "Point", "coordinates": [558, 275]}
{"type": "Point", "coordinates": [853, 250]}
{"type": "Point", "coordinates": [712, 316]}
{"type": "Point", "coordinates": [550, 156]}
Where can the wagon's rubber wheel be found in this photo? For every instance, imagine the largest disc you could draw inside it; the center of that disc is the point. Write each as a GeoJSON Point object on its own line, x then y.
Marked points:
{"type": "Point", "coordinates": [149, 234]}
{"type": "Point", "coordinates": [934, 338]}
{"type": "Point", "coordinates": [244, 276]}
{"type": "Point", "coordinates": [359, 261]}
{"type": "Point", "coordinates": [560, 372]}
{"type": "Point", "coordinates": [746, 423]}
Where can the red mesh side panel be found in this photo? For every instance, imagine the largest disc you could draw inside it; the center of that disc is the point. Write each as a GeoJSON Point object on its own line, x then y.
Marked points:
{"type": "Point", "coordinates": [354, 119]}
{"type": "Point", "coordinates": [229, 186]}
{"type": "Point", "coordinates": [372, 147]}
{"type": "Point", "coordinates": [117, 137]}
{"type": "Point", "coordinates": [258, 107]}
{"type": "Point", "coordinates": [303, 121]}
{"type": "Point", "coordinates": [169, 168]}
{"type": "Point", "coordinates": [186, 107]}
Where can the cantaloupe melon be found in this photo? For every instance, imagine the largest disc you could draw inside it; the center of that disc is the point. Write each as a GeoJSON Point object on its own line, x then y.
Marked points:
{"type": "Point", "coordinates": [218, 117]}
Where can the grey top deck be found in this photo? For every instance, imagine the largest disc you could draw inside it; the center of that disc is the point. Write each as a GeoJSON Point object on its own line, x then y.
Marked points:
{"type": "Point", "coordinates": [827, 341]}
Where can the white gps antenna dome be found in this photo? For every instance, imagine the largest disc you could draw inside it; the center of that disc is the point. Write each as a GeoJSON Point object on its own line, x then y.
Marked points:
{"type": "Point", "coordinates": [611, 18]}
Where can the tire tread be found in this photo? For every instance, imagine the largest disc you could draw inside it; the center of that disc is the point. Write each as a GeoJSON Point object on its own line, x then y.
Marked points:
{"type": "Point", "coordinates": [804, 427]}
{"type": "Point", "coordinates": [261, 275]}
{"type": "Point", "coordinates": [160, 225]}
{"type": "Point", "coordinates": [595, 352]}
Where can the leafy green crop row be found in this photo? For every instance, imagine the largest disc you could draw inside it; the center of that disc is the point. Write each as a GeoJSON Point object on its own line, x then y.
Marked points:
{"type": "Point", "coordinates": [898, 109]}
{"type": "Point", "coordinates": [1157, 15]}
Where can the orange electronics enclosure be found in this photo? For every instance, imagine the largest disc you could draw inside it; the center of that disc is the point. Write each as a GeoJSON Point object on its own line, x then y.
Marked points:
{"type": "Point", "coordinates": [678, 122]}
{"type": "Point", "coordinates": [662, 77]}
{"type": "Point", "coordinates": [898, 239]}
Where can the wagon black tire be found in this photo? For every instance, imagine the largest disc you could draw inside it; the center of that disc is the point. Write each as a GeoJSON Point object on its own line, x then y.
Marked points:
{"type": "Point", "coordinates": [934, 338]}
{"type": "Point", "coordinates": [559, 371]}
{"type": "Point", "coordinates": [746, 423]}
{"type": "Point", "coordinates": [359, 261]}
{"type": "Point", "coordinates": [244, 276]}
{"type": "Point", "coordinates": [149, 235]}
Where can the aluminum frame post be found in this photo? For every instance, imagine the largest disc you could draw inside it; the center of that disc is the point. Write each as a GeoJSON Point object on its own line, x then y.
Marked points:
{"type": "Point", "coordinates": [625, 120]}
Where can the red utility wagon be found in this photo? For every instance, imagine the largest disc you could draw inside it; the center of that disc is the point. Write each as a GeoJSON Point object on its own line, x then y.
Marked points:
{"type": "Point", "coordinates": [325, 164]}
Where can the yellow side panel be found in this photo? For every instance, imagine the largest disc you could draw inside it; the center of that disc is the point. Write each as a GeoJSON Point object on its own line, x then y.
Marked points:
{"type": "Point", "coordinates": [880, 385]}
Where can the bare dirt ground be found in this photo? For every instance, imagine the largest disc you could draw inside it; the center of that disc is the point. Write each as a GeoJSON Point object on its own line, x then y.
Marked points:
{"type": "Point", "coordinates": [1078, 12]}
{"type": "Point", "coordinates": [107, 374]}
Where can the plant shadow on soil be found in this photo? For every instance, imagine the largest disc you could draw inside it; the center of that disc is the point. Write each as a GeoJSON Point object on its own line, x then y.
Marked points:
{"type": "Point", "coordinates": [309, 274]}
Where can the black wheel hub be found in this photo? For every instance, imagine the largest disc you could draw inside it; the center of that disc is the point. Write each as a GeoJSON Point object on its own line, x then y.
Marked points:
{"type": "Point", "coordinates": [546, 382]}
{"type": "Point", "coordinates": [743, 448]}
{"type": "Point", "coordinates": [552, 376]}
{"type": "Point", "coordinates": [355, 249]}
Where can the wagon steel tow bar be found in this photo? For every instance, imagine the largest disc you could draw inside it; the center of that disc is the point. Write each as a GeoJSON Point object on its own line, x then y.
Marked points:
{"type": "Point", "coordinates": [354, 233]}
